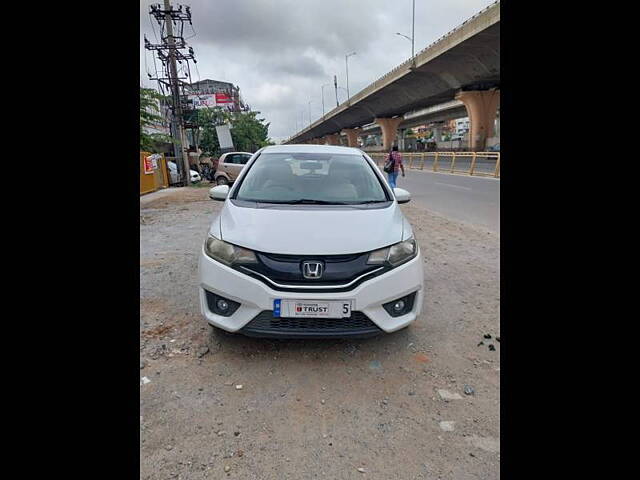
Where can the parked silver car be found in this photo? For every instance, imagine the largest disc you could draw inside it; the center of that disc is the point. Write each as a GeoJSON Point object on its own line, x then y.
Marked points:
{"type": "Point", "coordinates": [230, 165]}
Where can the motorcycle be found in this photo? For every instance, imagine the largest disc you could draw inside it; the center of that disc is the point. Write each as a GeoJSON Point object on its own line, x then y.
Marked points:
{"type": "Point", "coordinates": [207, 172]}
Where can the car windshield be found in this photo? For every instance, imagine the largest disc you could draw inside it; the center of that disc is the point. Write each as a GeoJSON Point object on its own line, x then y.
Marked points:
{"type": "Point", "coordinates": [313, 178]}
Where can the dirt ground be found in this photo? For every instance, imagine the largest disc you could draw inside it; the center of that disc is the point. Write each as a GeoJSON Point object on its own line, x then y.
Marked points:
{"type": "Point", "coordinates": [393, 406]}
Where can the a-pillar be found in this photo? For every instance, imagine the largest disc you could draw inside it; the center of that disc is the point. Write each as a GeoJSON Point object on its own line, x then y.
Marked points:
{"type": "Point", "coordinates": [389, 127]}
{"type": "Point", "coordinates": [333, 139]}
{"type": "Point", "coordinates": [352, 136]}
{"type": "Point", "coordinates": [481, 106]}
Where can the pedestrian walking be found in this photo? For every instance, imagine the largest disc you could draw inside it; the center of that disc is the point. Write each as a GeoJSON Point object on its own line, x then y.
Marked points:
{"type": "Point", "coordinates": [393, 164]}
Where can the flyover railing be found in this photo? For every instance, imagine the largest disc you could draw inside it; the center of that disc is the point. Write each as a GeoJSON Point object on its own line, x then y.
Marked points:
{"type": "Point", "coordinates": [480, 164]}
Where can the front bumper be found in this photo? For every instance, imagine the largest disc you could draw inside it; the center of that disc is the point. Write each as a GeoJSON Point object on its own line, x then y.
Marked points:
{"type": "Point", "coordinates": [256, 298]}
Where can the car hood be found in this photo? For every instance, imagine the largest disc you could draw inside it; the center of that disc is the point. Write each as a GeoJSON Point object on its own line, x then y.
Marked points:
{"type": "Point", "coordinates": [303, 230]}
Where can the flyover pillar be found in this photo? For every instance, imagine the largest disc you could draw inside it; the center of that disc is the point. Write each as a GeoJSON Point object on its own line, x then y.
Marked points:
{"type": "Point", "coordinates": [333, 139]}
{"type": "Point", "coordinates": [482, 106]}
{"type": "Point", "coordinates": [389, 127]}
{"type": "Point", "coordinates": [437, 132]}
{"type": "Point", "coordinates": [352, 136]}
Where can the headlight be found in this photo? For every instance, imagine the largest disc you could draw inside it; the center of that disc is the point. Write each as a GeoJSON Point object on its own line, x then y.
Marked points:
{"type": "Point", "coordinates": [395, 254]}
{"type": "Point", "coordinates": [228, 254]}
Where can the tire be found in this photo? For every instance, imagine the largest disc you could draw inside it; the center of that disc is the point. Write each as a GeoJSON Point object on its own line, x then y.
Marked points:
{"type": "Point", "coordinates": [222, 181]}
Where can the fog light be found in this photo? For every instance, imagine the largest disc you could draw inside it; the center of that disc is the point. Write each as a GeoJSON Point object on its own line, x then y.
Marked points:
{"type": "Point", "coordinates": [220, 305]}
{"type": "Point", "coordinates": [398, 306]}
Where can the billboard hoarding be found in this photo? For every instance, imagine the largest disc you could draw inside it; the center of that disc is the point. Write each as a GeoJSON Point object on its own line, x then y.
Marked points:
{"type": "Point", "coordinates": [210, 100]}
{"type": "Point", "coordinates": [224, 136]}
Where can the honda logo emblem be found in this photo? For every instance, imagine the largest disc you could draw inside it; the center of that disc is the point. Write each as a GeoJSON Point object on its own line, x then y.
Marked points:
{"type": "Point", "coordinates": [312, 269]}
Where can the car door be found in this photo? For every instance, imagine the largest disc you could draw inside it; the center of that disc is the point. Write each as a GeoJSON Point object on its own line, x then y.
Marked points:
{"type": "Point", "coordinates": [224, 165]}
{"type": "Point", "coordinates": [235, 165]}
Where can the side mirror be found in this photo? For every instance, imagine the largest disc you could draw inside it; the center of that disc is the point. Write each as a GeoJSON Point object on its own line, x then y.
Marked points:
{"type": "Point", "coordinates": [219, 192]}
{"type": "Point", "coordinates": [402, 196]}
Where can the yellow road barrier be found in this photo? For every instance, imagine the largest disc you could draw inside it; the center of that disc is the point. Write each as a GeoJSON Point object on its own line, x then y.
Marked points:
{"type": "Point", "coordinates": [479, 164]}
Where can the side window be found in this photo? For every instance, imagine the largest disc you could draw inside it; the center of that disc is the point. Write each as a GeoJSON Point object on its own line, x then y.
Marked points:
{"type": "Point", "coordinates": [229, 159]}
{"type": "Point", "coordinates": [244, 159]}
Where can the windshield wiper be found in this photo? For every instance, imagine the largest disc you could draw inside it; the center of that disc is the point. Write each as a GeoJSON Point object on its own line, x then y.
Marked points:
{"type": "Point", "coordinates": [311, 201]}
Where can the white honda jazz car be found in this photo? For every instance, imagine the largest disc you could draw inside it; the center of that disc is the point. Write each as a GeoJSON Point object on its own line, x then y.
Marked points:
{"type": "Point", "coordinates": [310, 242]}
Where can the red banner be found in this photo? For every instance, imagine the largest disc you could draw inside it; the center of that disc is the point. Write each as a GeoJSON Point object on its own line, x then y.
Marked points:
{"type": "Point", "coordinates": [148, 165]}
{"type": "Point", "coordinates": [223, 98]}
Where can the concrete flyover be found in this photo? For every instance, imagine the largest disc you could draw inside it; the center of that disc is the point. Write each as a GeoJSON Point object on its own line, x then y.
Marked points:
{"type": "Point", "coordinates": [438, 113]}
{"type": "Point", "coordinates": [462, 65]}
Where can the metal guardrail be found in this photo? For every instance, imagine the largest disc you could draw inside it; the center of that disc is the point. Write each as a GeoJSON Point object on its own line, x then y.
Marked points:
{"type": "Point", "coordinates": [480, 164]}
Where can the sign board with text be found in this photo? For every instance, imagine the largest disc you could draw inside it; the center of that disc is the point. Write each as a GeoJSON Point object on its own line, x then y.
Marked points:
{"type": "Point", "coordinates": [211, 100]}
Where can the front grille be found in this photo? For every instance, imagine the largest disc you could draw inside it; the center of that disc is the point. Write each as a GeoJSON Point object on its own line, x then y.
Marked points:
{"type": "Point", "coordinates": [286, 270]}
{"type": "Point", "coordinates": [266, 325]}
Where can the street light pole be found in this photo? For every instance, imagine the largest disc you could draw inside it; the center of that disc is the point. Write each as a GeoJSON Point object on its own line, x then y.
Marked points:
{"type": "Point", "coordinates": [309, 112]}
{"type": "Point", "coordinates": [408, 38]}
{"type": "Point", "coordinates": [322, 89]}
{"type": "Point", "coordinates": [346, 62]}
{"type": "Point", "coordinates": [413, 30]}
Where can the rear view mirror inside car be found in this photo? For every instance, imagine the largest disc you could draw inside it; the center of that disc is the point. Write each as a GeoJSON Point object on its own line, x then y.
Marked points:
{"type": "Point", "coordinates": [311, 166]}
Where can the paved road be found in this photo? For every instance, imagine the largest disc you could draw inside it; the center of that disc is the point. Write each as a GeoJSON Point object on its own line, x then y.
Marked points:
{"type": "Point", "coordinates": [475, 200]}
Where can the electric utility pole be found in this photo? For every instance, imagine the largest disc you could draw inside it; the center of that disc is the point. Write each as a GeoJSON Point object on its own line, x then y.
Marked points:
{"type": "Point", "coordinates": [335, 84]}
{"type": "Point", "coordinates": [346, 62]}
{"type": "Point", "coordinates": [170, 52]}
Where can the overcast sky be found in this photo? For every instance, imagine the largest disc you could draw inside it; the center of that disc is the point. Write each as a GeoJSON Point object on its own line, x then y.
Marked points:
{"type": "Point", "coordinates": [280, 52]}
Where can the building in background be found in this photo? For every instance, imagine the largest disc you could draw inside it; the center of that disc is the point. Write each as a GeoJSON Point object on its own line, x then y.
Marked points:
{"type": "Point", "coordinates": [213, 93]}
{"type": "Point", "coordinates": [161, 127]}
{"type": "Point", "coordinates": [461, 126]}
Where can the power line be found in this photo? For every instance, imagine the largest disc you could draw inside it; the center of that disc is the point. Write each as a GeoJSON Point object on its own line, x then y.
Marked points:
{"type": "Point", "coordinates": [194, 32]}
{"type": "Point", "coordinates": [197, 71]}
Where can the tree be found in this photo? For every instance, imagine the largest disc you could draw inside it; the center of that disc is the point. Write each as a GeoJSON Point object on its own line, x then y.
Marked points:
{"type": "Point", "coordinates": [149, 117]}
{"type": "Point", "coordinates": [207, 119]}
{"type": "Point", "coordinates": [248, 132]}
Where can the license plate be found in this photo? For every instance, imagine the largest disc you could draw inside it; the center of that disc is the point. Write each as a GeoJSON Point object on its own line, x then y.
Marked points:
{"type": "Point", "coordinates": [312, 309]}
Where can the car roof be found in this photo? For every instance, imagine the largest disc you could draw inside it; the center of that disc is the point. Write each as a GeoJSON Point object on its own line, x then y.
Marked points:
{"type": "Point", "coordinates": [305, 148]}
{"type": "Point", "coordinates": [230, 153]}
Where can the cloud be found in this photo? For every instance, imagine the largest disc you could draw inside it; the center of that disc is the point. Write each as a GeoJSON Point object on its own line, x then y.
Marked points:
{"type": "Point", "coordinates": [280, 52]}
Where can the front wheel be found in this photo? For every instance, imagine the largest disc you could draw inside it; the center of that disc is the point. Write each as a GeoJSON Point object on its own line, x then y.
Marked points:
{"type": "Point", "coordinates": [222, 181]}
